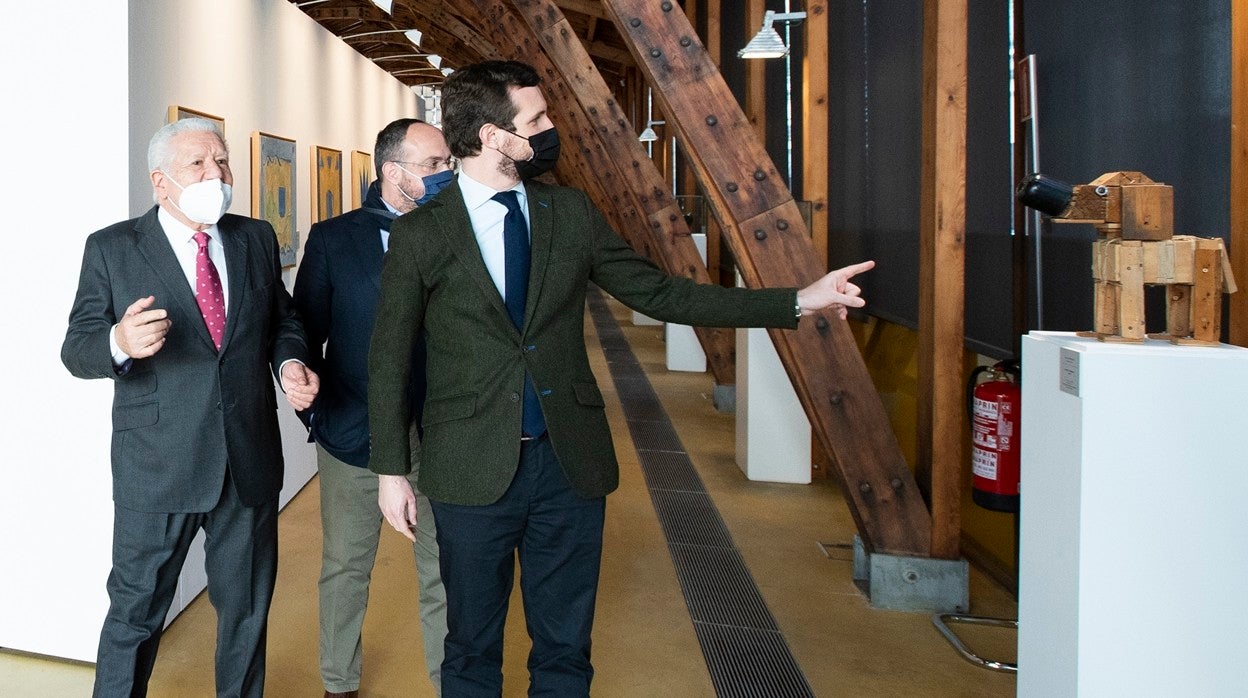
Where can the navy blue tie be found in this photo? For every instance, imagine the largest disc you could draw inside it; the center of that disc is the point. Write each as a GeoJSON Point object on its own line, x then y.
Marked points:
{"type": "Point", "coordinates": [516, 261]}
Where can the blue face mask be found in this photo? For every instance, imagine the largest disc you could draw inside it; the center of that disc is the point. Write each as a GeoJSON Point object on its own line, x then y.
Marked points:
{"type": "Point", "coordinates": [434, 183]}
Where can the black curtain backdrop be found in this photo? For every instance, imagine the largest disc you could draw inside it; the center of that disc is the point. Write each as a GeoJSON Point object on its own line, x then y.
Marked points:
{"type": "Point", "coordinates": [1141, 85]}
{"type": "Point", "coordinates": [876, 69]}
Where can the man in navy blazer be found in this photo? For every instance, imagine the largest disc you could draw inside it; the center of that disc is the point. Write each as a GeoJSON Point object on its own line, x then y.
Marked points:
{"type": "Point", "coordinates": [336, 294]}
{"type": "Point", "coordinates": [184, 309]}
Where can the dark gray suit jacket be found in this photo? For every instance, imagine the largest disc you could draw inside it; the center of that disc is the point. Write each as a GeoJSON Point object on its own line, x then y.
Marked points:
{"type": "Point", "coordinates": [184, 415]}
{"type": "Point", "coordinates": [434, 278]}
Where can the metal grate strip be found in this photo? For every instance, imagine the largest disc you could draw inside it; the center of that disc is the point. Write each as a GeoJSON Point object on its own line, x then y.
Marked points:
{"type": "Point", "coordinates": [654, 436]}
{"type": "Point", "coordinates": [690, 518]}
{"type": "Point", "coordinates": [643, 403]}
{"type": "Point", "coordinates": [750, 663]}
{"type": "Point", "coordinates": [718, 588]}
{"type": "Point", "coordinates": [745, 654]}
{"type": "Point", "coordinates": [665, 470]}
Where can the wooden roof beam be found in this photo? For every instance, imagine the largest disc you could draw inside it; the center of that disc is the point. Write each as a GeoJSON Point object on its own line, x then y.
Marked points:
{"type": "Point", "coordinates": [592, 8]}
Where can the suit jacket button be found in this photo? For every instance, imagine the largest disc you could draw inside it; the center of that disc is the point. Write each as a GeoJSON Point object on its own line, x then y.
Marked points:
{"type": "Point", "coordinates": [515, 397]}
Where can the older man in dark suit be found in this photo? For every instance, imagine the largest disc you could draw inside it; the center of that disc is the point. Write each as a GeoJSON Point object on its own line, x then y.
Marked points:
{"type": "Point", "coordinates": [516, 453]}
{"type": "Point", "coordinates": [184, 309]}
{"type": "Point", "coordinates": [336, 294]}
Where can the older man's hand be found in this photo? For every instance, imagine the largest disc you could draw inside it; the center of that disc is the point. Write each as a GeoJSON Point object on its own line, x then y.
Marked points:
{"type": "Point", "coordinates": [300, 384]}
{"type": "Point", "coordinates": [141, 332]}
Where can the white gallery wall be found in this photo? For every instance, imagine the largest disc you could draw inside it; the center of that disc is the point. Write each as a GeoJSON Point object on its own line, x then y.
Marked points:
{"type": "Point", "coordinates": [77, 127]}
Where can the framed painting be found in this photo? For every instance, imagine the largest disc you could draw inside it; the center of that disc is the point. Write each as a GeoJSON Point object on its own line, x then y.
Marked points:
{"type": "Point", "coordinates": [273, 190]}
{"type": "Point", "coordinates": [179, 112]}
{"type": "Point", "coordinates": [361, 177]}
{"type": "Point", "coordinates": [326, 183]}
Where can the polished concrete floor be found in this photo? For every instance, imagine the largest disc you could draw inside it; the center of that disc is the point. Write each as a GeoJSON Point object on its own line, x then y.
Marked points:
{"type": "Point", "coordinates": [644, 641]}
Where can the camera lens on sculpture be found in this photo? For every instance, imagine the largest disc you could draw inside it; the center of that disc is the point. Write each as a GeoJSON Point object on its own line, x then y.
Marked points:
{"type": "Point", "coordinates": [1045, 194]}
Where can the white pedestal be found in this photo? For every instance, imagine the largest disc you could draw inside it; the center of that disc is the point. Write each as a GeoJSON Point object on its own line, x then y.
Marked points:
{"type": "Point", "coordinates": [684, 351]}
{"type": "Point", "coordinates": [773, 433]}
{"type": "Point", "coordinates": [640, 320]}
{"type": "Point", "coordinates": [1133, 565]}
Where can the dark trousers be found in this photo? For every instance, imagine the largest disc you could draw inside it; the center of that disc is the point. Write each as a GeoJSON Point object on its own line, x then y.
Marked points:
{"type": "Point", "coordinates": [148, 551]}
{"type": "Point", "coordinates": [558, 535]}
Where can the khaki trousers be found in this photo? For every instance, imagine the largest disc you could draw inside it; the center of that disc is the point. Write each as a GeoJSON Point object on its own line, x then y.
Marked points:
{"type": "Point", "coordinates": [351, 525]}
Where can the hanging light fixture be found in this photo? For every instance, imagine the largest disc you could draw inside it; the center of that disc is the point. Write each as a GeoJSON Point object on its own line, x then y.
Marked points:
{"type": "Point", "coordinates": [413, 35]}
{"type": "Point", "coordinates": [434, 60]}
{"type": "Point", "coordinates": [767, 43]}
{"type": "Point", "coordinates": [387, 5]}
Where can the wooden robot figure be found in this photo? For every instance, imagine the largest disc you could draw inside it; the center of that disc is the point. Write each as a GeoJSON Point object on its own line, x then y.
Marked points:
{"type": "Point", "coordinates": [1136, 245]}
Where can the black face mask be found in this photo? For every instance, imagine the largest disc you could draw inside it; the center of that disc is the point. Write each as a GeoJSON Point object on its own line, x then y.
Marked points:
{"type": "Point", "coordinates": [545, 154]}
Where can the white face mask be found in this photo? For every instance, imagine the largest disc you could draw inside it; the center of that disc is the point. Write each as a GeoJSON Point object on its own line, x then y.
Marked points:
{"type": "Point", "coordinates": [203, 202]}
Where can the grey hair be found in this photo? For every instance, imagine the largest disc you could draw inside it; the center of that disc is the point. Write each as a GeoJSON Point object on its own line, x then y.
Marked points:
{"type": "Point", "coordinates": [158, 152]}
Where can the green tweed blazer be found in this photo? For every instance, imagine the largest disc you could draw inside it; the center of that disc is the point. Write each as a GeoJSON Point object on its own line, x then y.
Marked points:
{"type": "Point", "coordinates": [434, 279]}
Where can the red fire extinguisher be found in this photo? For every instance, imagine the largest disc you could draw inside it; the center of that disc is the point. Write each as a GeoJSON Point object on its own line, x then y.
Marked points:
{"type": "Point", "coordinates": [994, 410]}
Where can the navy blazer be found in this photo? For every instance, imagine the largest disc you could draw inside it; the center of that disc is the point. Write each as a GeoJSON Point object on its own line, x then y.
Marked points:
{"type": "Point", "coordinates": [336, 292]}
{"type": "Point", "coordinates": [186, 413]}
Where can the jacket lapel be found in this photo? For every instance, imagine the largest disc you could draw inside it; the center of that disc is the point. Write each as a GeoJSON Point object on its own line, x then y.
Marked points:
{"type": "Point", "coordinates": [237, 251]}
{"type": "Point", "coordinates": [541, 230]}
{"type": "Point", "coordinates": [451, 219]}
{"type": "Point", "coordinates": [153, 244]}
{"type": "Point", "coordinates": [365, 248]}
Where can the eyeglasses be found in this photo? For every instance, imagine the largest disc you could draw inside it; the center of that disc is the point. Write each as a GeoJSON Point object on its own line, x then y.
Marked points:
{"type": "Point", "coordinates": [431, 165]}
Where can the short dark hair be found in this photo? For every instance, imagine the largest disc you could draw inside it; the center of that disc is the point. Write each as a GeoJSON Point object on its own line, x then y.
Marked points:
{"type": "Point", "coordinates": [476, 95]}
{"type": "Point", "coordinates": [390, 142]}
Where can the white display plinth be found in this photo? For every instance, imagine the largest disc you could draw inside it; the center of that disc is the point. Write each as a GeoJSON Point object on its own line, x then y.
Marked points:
{"type": "Point", "coordinates": [684, 351]}
{"type": "Point", "coordinates": [773, 433]}
{"type": "Point", "coordinates": [1133, 515]}
{"type": "Point", "coordinates": [640, 320]}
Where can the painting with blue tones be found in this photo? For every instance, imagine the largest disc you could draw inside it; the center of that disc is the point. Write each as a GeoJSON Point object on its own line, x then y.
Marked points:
{"type": "Point", "coordinates": [273, 190]}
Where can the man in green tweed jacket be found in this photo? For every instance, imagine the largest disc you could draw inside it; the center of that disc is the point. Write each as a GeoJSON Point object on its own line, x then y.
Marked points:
{"type": "Point", "coordinates": [517, 454]}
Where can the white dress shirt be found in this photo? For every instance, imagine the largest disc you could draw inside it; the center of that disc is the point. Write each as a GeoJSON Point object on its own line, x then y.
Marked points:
{"type": "Point", "coordinates": [487, 217]}
{"type": "Point", "coordinates": [182, 240]}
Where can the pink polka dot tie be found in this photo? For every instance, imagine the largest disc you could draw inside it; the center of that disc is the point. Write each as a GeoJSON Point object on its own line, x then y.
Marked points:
{"type": "Point", "coordinates": [208, 293]}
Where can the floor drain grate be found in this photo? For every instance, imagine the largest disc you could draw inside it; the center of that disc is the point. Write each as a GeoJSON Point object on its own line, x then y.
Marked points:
{"type": "Point", "coordinates": [745, 654]}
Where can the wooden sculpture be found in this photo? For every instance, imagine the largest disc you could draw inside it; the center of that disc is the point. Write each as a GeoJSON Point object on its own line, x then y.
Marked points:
{"type": "Point", "coordinates": [1136, 245]}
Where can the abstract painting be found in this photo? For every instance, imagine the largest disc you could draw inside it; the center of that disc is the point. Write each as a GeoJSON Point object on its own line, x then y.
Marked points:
{"type": "Point", "coordinates": [326, 183]}
{"type": "Point", "coordinates": [273, 190]}
{"type": "Point", "coordinates": [361, 177]}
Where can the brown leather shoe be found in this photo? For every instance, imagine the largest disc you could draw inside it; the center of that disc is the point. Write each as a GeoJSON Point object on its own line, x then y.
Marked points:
{"type": "Point", "coordinates": [345, 694]}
